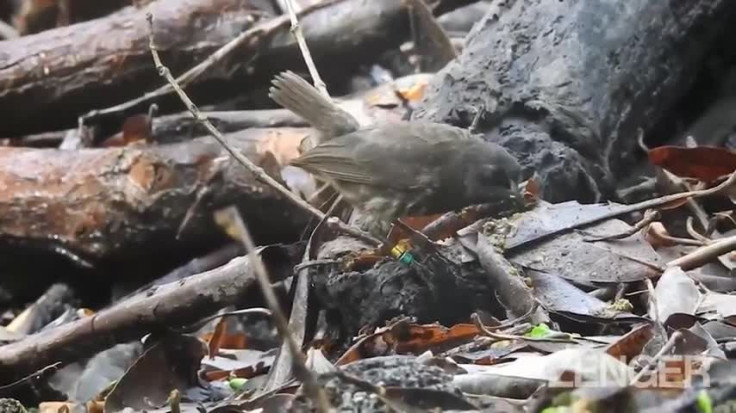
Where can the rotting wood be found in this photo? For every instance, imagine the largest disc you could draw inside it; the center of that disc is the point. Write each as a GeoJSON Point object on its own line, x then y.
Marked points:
{"type": "Point", "coordinates": [35, 16]}
{"type": "Point", "coordinates": [171, 128]}
{"type": "Point", "coordinates": [69, 70]}
{"type": "Point", "coordinates": [107, 60]}
{"type": "Point", "coordinates": [97, 203]}
{"type": "Point", "coordinates": [176, 304]}
{"type": "Point", "coordinates": [179, 127]}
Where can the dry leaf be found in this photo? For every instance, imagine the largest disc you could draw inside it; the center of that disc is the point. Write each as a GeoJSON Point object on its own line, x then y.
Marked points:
{"type": "Point", "coordinates": [706, 163]}
{"type": "Point", "coordinates": [137, 128]}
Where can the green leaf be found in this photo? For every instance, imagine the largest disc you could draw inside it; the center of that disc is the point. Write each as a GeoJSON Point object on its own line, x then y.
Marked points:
{"type": "Point", "coordinates": [539, 331]}
{"type": "Point", "coordinates": [704, 402]}
{"type": "Point", "coordinates": [237, 383]}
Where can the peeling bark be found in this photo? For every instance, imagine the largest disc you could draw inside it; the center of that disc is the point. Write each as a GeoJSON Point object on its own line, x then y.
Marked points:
{"type": "Point", "coordinates": [101, 202]}
{"type": "Point", "coordinates": [72, 70]}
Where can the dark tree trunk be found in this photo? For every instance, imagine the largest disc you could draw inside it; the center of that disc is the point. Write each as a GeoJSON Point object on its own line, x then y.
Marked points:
{"type": "Point", "coordinates": [567, 84]}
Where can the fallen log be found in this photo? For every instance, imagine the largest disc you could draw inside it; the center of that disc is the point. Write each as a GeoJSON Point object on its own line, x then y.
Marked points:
{"type": "Point", "coordinates": [69, 70]}
{"type": "Point", "coordinates": [175, 127]}
{"type": "Point", "coordinates": [566, 84]}
{"type": "Point", "coordinates": [35, 16]}
{"type": "Point", "coordinates": [377, 104]}
{"type": "Point", "coordinates": [107, 60]}
{"type": "Point", "coordinates": [179, 127]}
{"type": "Point", "coordinates": [99, 203]}
{"type": "Point", "coordinates": [173, 305]}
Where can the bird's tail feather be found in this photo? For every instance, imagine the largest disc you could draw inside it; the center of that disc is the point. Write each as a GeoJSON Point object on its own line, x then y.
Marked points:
{"type": "Point", "coordinates": [296, 94]}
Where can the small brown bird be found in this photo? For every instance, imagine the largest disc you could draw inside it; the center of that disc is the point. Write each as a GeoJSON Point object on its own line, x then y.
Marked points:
{"type": "Point", "coordinates": [400, 168]}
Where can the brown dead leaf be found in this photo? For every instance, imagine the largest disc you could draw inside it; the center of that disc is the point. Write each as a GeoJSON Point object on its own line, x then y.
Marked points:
{"type": "Point", "coordinates": [271, 166]}
{"type": "Point", "coordinates": [418, 338]}
{"type": "Point", "coordinates": [532, 188]}
{"type": "Point", "coordinates": [366, 347]}
{"type": "Point", "coordinates": [115, 141]}
{"type": "Point", "coordinates": [282, 144]}
{"type": "Point", "coordinates": [406, 338]}
{"type": "Point", "coordinates": [58, 407]}
{"type": "Point", "coordinates": [417, 223]}
{"type": "Point", "coordinates": [632, 343]}
{"type": "Point", "coordinates": [238, 363]}
{"type": "Point", "coordinates": [706, 163]}
{"type": "Point", "coordinates": [362, 260]}
{"type": "Point", "coordinates": [231, 341]}
{"type": "Point", "coordinates": [415, 92]}
{"type": "Point", "coordinates": [95, 406]}
{"type": "Point", "coordinates": [137, 128]}
{"type": "Point", "coordinates": [215, 339]}
{"type": "Point", "coordinates": [412, 90]}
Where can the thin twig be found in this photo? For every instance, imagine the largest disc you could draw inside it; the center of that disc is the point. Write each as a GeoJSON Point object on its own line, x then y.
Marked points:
{"type": "Point", "coordinates": [246, 311]}
{"type": "Point", "coordinates": [296, 31]}
{"type": "Point", "coordinates": [202, 192]}
{"type": "Point", "coordinates": [314, 263]}
{"type": "Point", "coordinates": [640, 140]}
{"type": "Point", "coordinates": [479, 113]}
{"type": "Point", "coordinates": [190, 75]}
{"type": "Point", "coordinates": [690, 227]}
{"type": "Point", "coordinates": [282, 368]}
{"type": "Point", "coordinates": [318, 192]}
{"type": "Point", "coordinates": [300, 369]}
{"type": "Point", "coordinates": [334, 223]}
{"type": "Point", "coordinates": [194, 72]}
{"type": "Point", "coordinates": [674, 338]}
{"type": "Point", "coordinates": [652, 297]}
{"type": "Point", "coordinates": [260, 174]}
{"type": "Point", "coordinates": [650, 216]}
{"type": "Point", "coordinates": [705, 254]}
{"type": "Point", "coordinates": [657, 234]}
{"type": "Point", "coordinates": [37, 375]}
{"type": "Point", "coordinates": [164, 72]}
{"type": "Point", "coordinates": [627, 209]}
{"type": "Point", "coordinates": [500, 336]}
{"type": "Point", "coordinates": [513, 321]}
{"type": "Point", "coordinates": [724, 215]}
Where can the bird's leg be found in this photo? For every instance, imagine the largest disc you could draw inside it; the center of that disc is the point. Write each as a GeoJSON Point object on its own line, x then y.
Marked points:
{"type": "Point", "coordinates": [397, 248]}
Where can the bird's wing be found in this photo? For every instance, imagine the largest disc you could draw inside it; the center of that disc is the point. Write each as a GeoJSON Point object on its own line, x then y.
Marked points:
{"type": "Point", "coordinates": [440, 134]}
{"type": "Point", "coordinates": [398, 156]}
{"type": "Point", "coordinates": [335, 159]}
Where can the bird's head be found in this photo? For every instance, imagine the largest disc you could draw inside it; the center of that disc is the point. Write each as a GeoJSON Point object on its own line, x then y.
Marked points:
{"type": "Point", "coordinates": [491, 174]}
